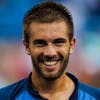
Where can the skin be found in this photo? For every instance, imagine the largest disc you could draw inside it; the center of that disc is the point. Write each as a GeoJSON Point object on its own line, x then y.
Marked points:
{"type": "Point", "coordinates": [50, 42]}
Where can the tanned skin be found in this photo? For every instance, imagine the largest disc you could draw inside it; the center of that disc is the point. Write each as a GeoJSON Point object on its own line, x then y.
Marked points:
{"type": "Point", "coordinates": [50, 40]}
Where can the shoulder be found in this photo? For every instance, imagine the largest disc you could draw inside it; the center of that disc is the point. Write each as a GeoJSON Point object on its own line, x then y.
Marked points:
{"type": "Point", "coordinates": [88, 91]}
{"type": "Point", "coordinates": [7, 92]}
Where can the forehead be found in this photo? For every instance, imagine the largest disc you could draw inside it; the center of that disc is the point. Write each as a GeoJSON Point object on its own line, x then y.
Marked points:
{"type": "Point", "coordinates": [48, 30]}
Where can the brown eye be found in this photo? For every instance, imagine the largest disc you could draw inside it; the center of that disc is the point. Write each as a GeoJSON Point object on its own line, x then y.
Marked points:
{"type": "Point", "coordinates": [39, 43]}
{"type": "Point", "coordinates": [59, 41]}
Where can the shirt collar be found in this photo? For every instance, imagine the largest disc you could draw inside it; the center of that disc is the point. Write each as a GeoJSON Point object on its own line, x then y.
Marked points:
{"type": "Point", "coordinates": [35, 93]}
{"type": "Point", "coordinates": [74, 95]}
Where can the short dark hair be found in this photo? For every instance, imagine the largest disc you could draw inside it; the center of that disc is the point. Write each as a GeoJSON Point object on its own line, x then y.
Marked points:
{"type": "Point", "coordinates": [47, 12]}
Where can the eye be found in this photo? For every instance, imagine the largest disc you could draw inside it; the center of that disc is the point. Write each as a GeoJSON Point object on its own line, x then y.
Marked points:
{"type": "Point", "coordinates": [39, 43]}
{"type": "Point", "coordinates": [59, 41]}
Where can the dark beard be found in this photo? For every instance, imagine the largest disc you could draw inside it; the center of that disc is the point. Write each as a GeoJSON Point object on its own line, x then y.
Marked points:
{"type": "Point", "coordinates": [50, 77]}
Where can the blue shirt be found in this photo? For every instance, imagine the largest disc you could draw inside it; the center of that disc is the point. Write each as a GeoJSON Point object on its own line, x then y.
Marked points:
{"type": "Point", "coordinates": [23, 90]}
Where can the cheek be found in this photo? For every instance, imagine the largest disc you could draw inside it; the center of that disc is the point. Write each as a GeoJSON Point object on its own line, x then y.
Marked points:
{"type": "Point", "coordinates": [36, 52]}
{"type": "Point", "coordinates": [63, 50]}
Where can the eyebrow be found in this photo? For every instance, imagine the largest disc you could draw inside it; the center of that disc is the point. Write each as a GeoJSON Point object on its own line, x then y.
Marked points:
{"type": "Point", "coordinates": [39, 41]}
{"type": "Point", "coordinates": [60, 40]}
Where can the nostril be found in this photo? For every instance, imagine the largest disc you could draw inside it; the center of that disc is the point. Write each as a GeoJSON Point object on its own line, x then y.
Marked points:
{"type": "Point", "coordinates": [53, 58]}
{"type": "Point", "coordinates": [49, 57]}
{"type": "Point", "coordinates": [42, 57]}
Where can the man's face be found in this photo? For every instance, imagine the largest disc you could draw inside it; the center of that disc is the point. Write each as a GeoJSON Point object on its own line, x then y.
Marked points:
{"type": "Point", "coordinates": [49, 48]}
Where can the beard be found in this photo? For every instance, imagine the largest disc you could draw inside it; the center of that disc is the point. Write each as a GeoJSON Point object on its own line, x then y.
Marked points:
{"type": "Point", "coordinates": [63, 64]}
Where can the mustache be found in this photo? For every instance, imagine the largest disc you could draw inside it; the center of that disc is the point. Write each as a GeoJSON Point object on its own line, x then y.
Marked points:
{"type": "Point", "coordinates": [50, 58]}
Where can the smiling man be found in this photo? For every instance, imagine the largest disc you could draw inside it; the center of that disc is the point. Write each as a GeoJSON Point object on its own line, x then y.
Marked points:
{"type": "Point", "coordinates": [49, 47]}
{"type": "Point", "coordinates": [49, 40]}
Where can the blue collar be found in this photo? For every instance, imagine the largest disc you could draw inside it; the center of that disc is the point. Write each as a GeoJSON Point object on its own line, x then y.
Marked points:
{"type": "Point", "coordinates": [35, 93]}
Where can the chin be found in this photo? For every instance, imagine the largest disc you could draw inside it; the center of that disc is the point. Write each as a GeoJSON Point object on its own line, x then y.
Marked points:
{"type": "Point", "coordinates": [51, 76]}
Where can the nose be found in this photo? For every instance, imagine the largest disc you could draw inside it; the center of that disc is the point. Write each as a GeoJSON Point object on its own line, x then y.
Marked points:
{"type": "Point", "coordinates": [50, 51]}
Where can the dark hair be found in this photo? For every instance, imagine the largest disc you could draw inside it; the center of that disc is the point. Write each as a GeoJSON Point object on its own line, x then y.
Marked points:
{"type": "Point", "coordinates": [47, 12]}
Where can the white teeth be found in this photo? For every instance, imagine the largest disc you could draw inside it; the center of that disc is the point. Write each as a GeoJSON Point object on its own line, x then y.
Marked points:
{"type": "Point", "coordinates": [50, 63]}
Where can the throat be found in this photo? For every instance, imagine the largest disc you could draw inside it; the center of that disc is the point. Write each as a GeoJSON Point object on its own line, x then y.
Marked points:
{"type": "Point", "coordinates": [63, 85]}
{"type": "Point", "coordinates": [61, 91]}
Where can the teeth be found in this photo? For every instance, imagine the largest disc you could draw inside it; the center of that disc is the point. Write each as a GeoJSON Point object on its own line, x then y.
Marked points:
{"type": "Point", "coordinates": [50, 63]}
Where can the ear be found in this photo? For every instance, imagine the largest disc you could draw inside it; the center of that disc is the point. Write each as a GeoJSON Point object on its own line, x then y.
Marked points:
{"type": "Point", "coordinates": [26, 44]}
{"type": "Point", "coordinates": [72, 45]}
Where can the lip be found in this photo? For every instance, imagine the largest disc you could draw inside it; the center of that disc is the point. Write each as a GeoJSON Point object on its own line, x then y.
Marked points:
{"type": "Point", "coordinates": [50, 63]}
{"type": "Point", "coordinates": [50, 66]}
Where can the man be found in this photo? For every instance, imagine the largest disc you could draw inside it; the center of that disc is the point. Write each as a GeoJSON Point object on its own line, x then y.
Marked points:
{"type": "Point", "coordinates": [49, 40]}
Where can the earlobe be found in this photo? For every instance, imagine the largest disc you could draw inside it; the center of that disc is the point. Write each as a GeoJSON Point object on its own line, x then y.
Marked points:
{"type": "Point", "coordinates": [28, 52]}
{"type": "Point", "coordinates": [72, 45]}
{"type": "Point", "coordinates": [71, 50]}
{"type": "Point", "coordinates": [26, 47]}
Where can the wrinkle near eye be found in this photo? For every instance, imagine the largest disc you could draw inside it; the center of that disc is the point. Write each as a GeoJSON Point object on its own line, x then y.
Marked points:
{"type": "Point", "coordinates": [42, 42]}
{"type": "Point", "coordinates": [59, 41]}
{"type": "Point", "coordinates": [39, 42]}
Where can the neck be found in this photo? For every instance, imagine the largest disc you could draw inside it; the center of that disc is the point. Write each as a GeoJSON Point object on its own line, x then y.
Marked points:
{"type": "Point", "coordinates": [44, 86]}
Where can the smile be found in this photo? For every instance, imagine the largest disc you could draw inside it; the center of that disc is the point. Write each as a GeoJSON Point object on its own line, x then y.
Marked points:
{"type": "Point", "coordinates": [50, 63]}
